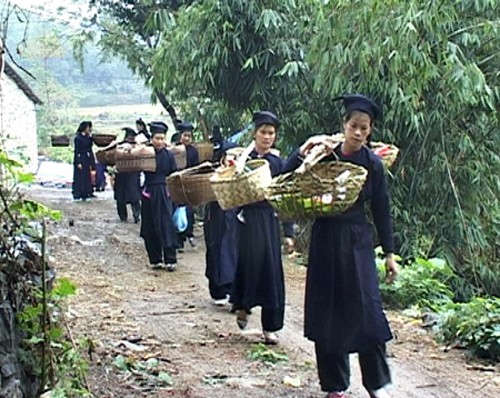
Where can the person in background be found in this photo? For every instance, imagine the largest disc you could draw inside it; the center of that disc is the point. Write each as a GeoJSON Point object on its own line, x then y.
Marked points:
{"type": "Point", "coordinates": [127, 186]}
{"type": "Point", "coordinates": [192, 159]}
{"type": "Point", "coordinates": [142, 132]}
{"type": "Point", "coordinates": [157, 227]}
{"type": "Point", "coordinates": [343, 307]}
{"type": "Point", "coordinates": [220, 234]}
{"type": "Point", "coordinates": [98, 175]}
{"type": "Point", "coordinates": [83, 162]}
{"type": "Point", "coordinates": [259, 279]}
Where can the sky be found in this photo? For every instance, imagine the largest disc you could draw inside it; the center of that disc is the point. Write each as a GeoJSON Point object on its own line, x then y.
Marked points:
{"type": "Point", "coordinates": [67, 11]}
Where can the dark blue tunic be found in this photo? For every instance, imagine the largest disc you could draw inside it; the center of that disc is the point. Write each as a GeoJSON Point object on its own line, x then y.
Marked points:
{"type": "Point", "coordinates": [219, 228]}
{"type": "Point", "coordinates": [83, 155]}
{"type": "Point", "coordinates": [259, 279]}
{"type": "Point", "coordinates": [127, 188]}
{"type": "Point", "coordinates": [192, 156]}
{"type": "Point", "coordinates": [343, 307]}
{"type": "Point", "coordinates": [156, 204]}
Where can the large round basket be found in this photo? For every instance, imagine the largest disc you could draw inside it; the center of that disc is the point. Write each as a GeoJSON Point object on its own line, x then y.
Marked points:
{"type": "Point", "coordinates": [205, 150]}
{"type": "Point", "coordinates": [59, 140]}
{"type": "Point", "coordinates": [387, 152]}
{"type": "Point", "coordinates": [192, 186]}
{"type": "Point", "coordinates": [327, 189]}
{"type": "Point", "coordinates": [102, 140]}
{"type": "Point", "coordinates": [106, 156]}
{"type": "Point", "coordinates": [135, 158]}
{"type": "Point", "coordinates": [238, 189]}
{"type": "Point", "coordinates": [179, 152]}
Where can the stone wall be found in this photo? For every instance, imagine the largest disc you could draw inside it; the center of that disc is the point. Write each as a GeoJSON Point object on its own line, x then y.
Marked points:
{"type": "Point", "coordinates": [18, 127]}
{"type": "Point", "coordinates": [17, 376]}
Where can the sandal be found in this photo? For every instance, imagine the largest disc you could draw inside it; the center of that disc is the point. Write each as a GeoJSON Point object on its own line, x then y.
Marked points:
{"type": "Point", "coordinates": [270, 338]}
{"type": "Point", "coordinates": [336, 394]}
{"type": "Point", "coordinates": [241, 319]}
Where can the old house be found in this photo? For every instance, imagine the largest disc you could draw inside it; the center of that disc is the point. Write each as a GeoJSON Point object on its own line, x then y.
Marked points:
{"type": "Point", "coordinates": [18, 127]}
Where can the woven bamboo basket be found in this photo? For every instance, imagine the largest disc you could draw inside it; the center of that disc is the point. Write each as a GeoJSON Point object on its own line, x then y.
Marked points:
{"type": "Point", "coordinates": [59, 140]}
{"type": "Point", "coordinates": [134, 158]}
{"type": "Point", "coordinates": [234, 189]}
{"type": "Point", "coordinates": [192, 186]}
{"type": "Point", "coordinates": [179, 152]}
{"type": "Point", "coordinates": [317, 189]}
{"type": "Point", "coordinates": [205, 150]}
{"type": "Point", "coordinates": [106, 156]}
{"type": "Point", "coordinates": [103, 140]}
{"type": "Point", "coordinates": [387, 152]}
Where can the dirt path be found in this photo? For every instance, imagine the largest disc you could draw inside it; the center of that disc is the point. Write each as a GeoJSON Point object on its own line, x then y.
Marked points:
{"type": "Point", "coordinates": [163, 327]}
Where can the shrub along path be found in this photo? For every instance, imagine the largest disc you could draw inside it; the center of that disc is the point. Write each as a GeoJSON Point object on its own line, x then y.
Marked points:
{"type": "Point", "coordinates": [156, 334]}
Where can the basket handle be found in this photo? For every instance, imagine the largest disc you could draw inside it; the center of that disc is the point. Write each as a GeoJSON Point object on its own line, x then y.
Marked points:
{"type": "Point", "coordinates": [313, 157]}
{"type": "Point", "coordinates": [194, 168]}
{"type": "Point", "coordinates": [317, 154]}
{"type": "Point", "coordinates": [240, 162]}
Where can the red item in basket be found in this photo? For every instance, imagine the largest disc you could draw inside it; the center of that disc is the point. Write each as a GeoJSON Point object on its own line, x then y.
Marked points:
{"type": "Point", "coordinates": [382, 151]}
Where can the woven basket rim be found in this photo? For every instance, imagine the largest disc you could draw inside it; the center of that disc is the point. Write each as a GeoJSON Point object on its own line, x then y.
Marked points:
{"type": "Point", "coordinates": [233, 177]}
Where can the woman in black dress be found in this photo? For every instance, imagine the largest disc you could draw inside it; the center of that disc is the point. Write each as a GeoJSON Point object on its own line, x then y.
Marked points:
{"type": "Point", "coordinates": [192, 159]}
{"type": "Point", "coordinates": [343, 307]}
{"type": "Point", "coordinates": [127, 188]}
{"type": "Point", "coordinates": [83, 163]}
{"type": "Point", "coordinates": [220, 233]}
{"type": "Point", "coordinates": [142, 131]}
{"type": "Point", "coordinates": [259, 279]}
{"type": "Point", "coordinates": [157, 227]}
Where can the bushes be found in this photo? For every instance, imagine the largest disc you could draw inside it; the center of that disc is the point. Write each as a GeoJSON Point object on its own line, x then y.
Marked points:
{"type": "Point", "coordinates": [424, 283]}
{"type": "Point", "coordinates": [428, 285]}
{"type": "Point", "coordinates": [474, 325]}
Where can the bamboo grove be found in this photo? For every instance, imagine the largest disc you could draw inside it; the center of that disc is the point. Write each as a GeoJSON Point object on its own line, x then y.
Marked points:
{"type": "Point", "coordinates": [434, 65]}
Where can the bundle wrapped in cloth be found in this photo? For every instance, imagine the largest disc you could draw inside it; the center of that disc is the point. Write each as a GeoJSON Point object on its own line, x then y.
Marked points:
{"type": "Point", "coordinates": [135, 157]}
{"type": "Point", "coordinates": [242, 183]}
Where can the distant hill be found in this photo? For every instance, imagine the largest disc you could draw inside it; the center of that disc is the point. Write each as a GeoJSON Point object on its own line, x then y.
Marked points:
{"type": "Point", "coordinates": [99, 84]}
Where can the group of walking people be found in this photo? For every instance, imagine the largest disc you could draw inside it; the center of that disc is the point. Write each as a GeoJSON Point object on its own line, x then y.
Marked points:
{"type": "Point", "coordinates": [343, 307]}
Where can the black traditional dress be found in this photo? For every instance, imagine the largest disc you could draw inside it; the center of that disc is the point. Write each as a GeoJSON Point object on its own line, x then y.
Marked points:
{"type": "Point", "coordinates": [219, 228]}
{"type": "Point", "coordinates": [343, 306]}
{"type": "Point", "coordinates": [259, 279]}
{"type": "Point", "coordinates": [127, 190]}
{"type": "Point", "coordinates": [157, 227]}
{"type": "Point", "coordinates": [83, 155]}
{"type": "Point", "coordinates": [192, 159]}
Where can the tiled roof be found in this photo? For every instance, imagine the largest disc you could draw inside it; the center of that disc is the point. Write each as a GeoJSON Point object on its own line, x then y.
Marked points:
{"type": "Point", "coordinates": [9, 71]}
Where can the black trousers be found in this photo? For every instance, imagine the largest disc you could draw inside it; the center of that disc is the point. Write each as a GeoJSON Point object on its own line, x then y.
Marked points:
{"type": "Point", "coordinates": [158, 254]}
{"type": "Point", "coordinates": [272, 319]}
{"type": "Point", "coordinates": [218, 292]}
{"type": "Point", "coordinates": [334, 371]}
{"type": "Point", "coordinates": [189, 232]}
{"type": "Point", "coordinates": [121, 207]}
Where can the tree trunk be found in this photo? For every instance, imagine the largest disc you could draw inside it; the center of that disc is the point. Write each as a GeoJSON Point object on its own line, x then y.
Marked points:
{"type": "Point", "coordinates": [168, 107]}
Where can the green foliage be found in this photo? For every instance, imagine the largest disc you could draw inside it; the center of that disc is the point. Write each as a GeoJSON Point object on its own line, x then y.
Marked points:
{"type": "Point", "coordinates": [432, 66]}
{"type": "Point", "coordinates": [423, 283]}
{"type": "Point", "coordinates": [47, 352]}
{"type": "Point", "coordinates": [261, 352]}
{"type": "Point", "coordinates": [19, 210]}
{"type": "Point", "coordinates": [148, 372]}
{"type": "Point", "coordinates": [244, 56]}
{"type": "Point", "coordinates": [474, 325]}
{"type": "Point", "coordinates": [66, 361]}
